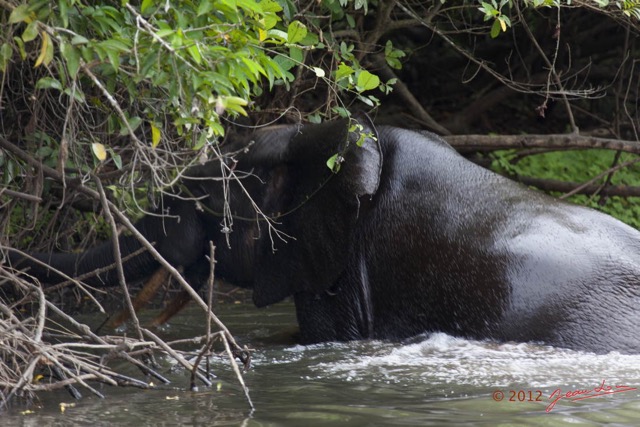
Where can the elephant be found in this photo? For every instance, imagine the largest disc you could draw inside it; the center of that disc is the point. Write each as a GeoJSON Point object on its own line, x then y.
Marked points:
{"type": "Point", "coordinates": [396, 236]}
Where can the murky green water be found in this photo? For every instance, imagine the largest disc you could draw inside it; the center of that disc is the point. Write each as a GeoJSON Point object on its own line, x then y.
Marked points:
{"type": "Point", "coordinates": [433, 380]}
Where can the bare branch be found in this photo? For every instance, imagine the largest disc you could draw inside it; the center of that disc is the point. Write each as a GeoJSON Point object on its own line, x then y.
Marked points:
{"type": "Point", "coordinates": [570, 187]}
{"type": "Point", "coordinates": [474, 143]}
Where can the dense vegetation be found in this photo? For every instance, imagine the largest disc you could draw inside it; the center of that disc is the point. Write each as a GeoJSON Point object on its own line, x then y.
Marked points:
{"type": "Point", "coordinates": [103, 104]}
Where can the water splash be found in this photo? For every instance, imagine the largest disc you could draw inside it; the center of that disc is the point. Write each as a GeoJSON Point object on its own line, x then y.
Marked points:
{"type": "Point", "coordinates": [441, 358]}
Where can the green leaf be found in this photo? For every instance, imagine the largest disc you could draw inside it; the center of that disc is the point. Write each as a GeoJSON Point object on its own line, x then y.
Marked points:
{"type": "Point", "coordinates": [164, 32]}
{"type": "Point", "coordinates": [72, 56]}
{"type": "Point", "coordinates": [255, 68]}
{"type": "Point", "coordinates": [488, 8]}
{"type": "Point", "coordinates": [314, 118]}
{"type": "Point", "coordinates": [277, 34]}
{"type": "Point", "coordinates": [235, 104]}
{"type": "Point", "coordinates": [20, 14]}
{"type": "Point", "coordinates": [367, 81]}
{"type": "Point", "coordinates": [116, 158]}
{"type": "Point", "coordinates": [495, 29]}
{"type": "Point", "coordinates": [391, 55]}
{"type": "Point", "coordinates": [351, 21]}
{"type": "Point", "coordinates": [249, 6]}
{"type": "Point", "coordinates": [270, 6]}
{"type": "Point", "coordinates": [274, 71]}
{"type": "Point", "coordinates": [334, 162]}
{"type": "Point", "coordinates": [367, 100]}
{"type": "Point", "coordinates": [64, 12]}
{"type": "Point", "coordinates": [362, 4]}
{"type": "Point", "coordinates": [296, 32]}
{"type": "Point", "coordinates": [31, 32]}
{"type": "Point", "coordinates": [295, 53]}
{"type": "Point", "coordinates": [76, 93]}
{"type": "Point", "coordinates": [311, 39]}
{"type": "Point", "coordinates": [112, 48]}
{"type": "Point", "coordinates": [5, 56]}
{"type": "Point", "coordinates": [216, 128]}
{"type": "Point", "coordinates": [205, 7]}
{"type": "Point", "coordinates": [289, 9]}
{"type": "Point", "coordinates": [77, 39]}
{"type": "Point", "coordinates": [194, 51]}
{"type": "Point", "coordinates": [114, 44]}
{"type": "Point", "coordinates": [146, 4]}
{"type": "Point", "coordinates": [134, 122]}
{"type": "Point", "coordinates": [48, 83]}
{"type": "Point", "coordinates": [343, 71]}
{"type": "Point", "coordinates": [114, 58]}
{"type": "Point", "coordinates": [20, 43]}
{"type": "Point", "coordinates": [341, 111]}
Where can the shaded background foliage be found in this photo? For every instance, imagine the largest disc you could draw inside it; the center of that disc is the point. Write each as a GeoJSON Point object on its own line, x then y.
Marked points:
{"type": "Point", "coordinates": [134, 91]}
{"type": "Point", "coordinates": [130, 93]}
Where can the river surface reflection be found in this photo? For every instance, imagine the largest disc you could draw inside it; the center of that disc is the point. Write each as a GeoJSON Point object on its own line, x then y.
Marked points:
{"type": "Point", "coordinates": [432, 380]}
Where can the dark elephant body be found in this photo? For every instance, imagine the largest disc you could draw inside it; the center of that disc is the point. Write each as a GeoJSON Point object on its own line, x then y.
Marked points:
{"type": "Point", "coordinates": [407, 237]}
{"type": "Point", "coordinates": [449, 246]}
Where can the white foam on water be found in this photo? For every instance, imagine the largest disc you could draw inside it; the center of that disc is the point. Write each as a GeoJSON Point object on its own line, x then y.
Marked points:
{"type": "Point", "coordinates": [444, 359]}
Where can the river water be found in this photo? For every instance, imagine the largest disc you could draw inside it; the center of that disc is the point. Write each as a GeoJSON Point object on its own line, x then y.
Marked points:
{"type": "Point", "coordinates": [432, 380]}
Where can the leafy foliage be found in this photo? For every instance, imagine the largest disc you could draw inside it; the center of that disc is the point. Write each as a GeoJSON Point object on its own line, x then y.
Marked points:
{"type": "Point", "coordinates": [498, 11]}
{"type": "Point", "coordinates": [494, 11]}
{"type": "Point", "coordinates": [148, 88]}
{"type": "Point", "coordinates": [188, 64]}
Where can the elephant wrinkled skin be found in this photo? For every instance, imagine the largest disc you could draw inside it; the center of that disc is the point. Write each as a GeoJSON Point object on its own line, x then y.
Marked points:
{"type": "Point", "coordinates": [407, 237]}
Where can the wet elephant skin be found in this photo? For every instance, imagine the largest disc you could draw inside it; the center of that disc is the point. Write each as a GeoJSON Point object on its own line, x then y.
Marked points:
{"type": "Point", "coordinates": [407, 237]}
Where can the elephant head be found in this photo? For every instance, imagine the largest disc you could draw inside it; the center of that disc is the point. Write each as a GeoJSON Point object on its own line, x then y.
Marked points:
{"type": "Point", "coordinates": [291, 218]}
{"type": "Point", "coordinates": [281, 218]}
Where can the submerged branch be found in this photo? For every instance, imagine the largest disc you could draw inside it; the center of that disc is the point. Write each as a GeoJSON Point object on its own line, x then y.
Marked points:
{"type": "Point", "coordinates": [77, 357]}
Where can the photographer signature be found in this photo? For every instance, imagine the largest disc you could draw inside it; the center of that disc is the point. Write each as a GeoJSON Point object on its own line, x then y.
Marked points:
{"type": "Point", "coordinates": [575, 395]}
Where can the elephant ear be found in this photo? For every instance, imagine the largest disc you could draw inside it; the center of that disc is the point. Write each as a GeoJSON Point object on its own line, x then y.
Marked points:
{"type": "Point", "coordinates": [319, 207]}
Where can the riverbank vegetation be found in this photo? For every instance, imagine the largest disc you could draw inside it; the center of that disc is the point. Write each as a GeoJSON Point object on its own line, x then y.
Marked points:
{"type": "Point", "coordinates": [104, 104]}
